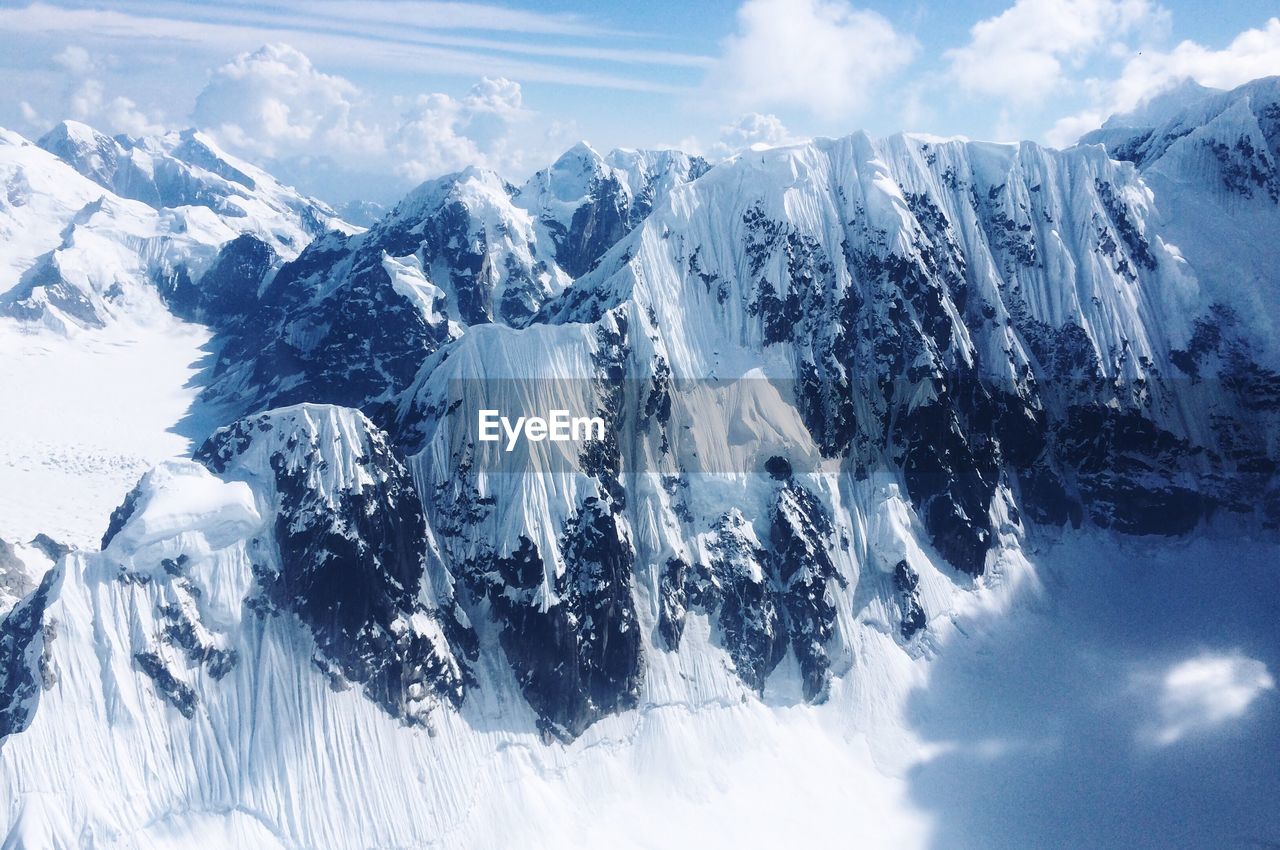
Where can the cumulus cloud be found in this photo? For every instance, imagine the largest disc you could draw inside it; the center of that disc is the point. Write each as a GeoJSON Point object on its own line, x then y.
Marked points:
{"type": "Point", "coordinates": [751, 130]}
{"type": "Point", "coordinates": [274, 101]}
{"type": "Point", "coordinates": [1026, 52]}
{"type": "Point", "coordinates": [87, 99]}
{"type": "Point", "coordinates": [1205, 692]}
{"type": "Point", "coordinates": [822, 55]}
{"type": "Point", "coordinates": [1253, 53]}
{"type": "Point", "coordinates": [441, 133]}
{"type": "Point", "coordinates": [74, 60]}
{"type": "Point", "coordinates": [273, 104]}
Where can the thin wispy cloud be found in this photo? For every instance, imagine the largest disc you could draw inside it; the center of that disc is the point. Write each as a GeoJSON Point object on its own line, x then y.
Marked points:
{"type": "Point", "coordinates": [406, 86]}
{"type": "Point", "coordinates": [411, 44]}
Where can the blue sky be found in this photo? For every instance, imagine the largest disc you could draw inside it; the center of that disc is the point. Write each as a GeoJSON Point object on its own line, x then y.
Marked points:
{"type": "Point", "coordinates": [355, 98]}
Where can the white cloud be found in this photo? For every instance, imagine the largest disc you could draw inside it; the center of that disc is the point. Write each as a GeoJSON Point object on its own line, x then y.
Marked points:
{"type": "Point", "coordinates": [441, 133]}
{"type": "Point", "coordinates": [1025, 53]}
{"type": "Point", "coordinates": [74, 60]}
{"type": "Point", "coordinates": [87, 99]}
{"type": "Point", "coordinates": [274, 101]}
{"type": "Point", "coordinates": [751, 130]}
{"type": "Point", "coordinates": [29, 114]}
{"type": "Point", "coordinates": [400, 36]}
{"type": "Point", "coordinates": [273, 104]}
{"type": "Point", "coordinates": [1205, 692]}
{"type": "Point", "coordinates": [1252, 54]}
{"type": "Point", "coordinates": [822, 55]}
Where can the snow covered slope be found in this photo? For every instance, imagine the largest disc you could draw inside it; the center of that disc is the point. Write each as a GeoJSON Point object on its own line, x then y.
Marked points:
{"type": "Point", "coordinates": [188, 169]}
{"type": "Point", "coordinates": [87, 416]}
{"type": "Point", "coordinates": [78, 254]}
{"type": "Point", "coordinates": [101, 240]}
{"type": "Point", "coordinates": [584, 202]}
{"type": "Point", "coordinates": [1213, 161]}
{"type": "Point", "coordinates": [350, 320]}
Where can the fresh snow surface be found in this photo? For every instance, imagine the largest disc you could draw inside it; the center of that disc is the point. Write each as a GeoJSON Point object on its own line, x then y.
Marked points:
{"type": "Point", "coordinates": [86, 416]}
{"type": "Point", "coordinates": [1026, 722]}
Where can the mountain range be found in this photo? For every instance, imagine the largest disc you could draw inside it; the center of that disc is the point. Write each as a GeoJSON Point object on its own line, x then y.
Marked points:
{"type": "Point", "coordinates": [860, 395]}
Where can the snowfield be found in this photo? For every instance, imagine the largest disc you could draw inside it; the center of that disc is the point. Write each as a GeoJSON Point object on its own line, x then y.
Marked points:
{"type": "Point", "coordinates": [86, 416]}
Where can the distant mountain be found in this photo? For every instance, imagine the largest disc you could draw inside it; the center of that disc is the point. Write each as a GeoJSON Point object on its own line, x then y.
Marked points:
{"type": "Point", "coordinates": [350, 320]}
{"type": "Point", "coordinates": [99, 227]}
{"type": "Point", "coordinates": [362, 213]}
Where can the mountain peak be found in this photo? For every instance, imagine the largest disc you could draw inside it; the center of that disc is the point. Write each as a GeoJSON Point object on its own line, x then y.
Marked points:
{"type": "Point", "coordinates": [1162, 106]}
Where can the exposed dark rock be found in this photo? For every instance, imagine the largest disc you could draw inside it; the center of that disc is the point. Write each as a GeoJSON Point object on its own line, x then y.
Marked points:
{"type": "Point", "coordinates": [577, 657]}
{"type": "Point", "coordinates": [801, 535]}
{"type": "Point", "coordinates": [26, 661]}
{"type": "Point", "coordinates": [52, 549]}
{"type": "Point", "coordinates": [352, 561]}
{"type": "Point", "coordinates": [169, 687]}
{"type": "Point", "coordinates": [228, 289]}
{"type": "Point", "coordinates": [779, 468]}
{"type": "Point", "coordinates": [906, 581]}
{"type": "Point", "coordinates": [121, 515]}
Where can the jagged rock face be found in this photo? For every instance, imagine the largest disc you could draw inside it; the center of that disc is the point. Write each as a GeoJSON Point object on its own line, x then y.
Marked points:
{"type": "Point", "coordinates": [912, 616]}
{"type": "Point", "coordinates": [352, 548]}
{"type": "Point", "coordinates": [350, 321]}
{"type": "Point", "coordinates": [26, 668]}
{"type": "Point", "coordinates": [801, 535]}
{"type": "Point", "coordinates": [763, 598]}
{"type": "Point", "coordinates": [354, 341]}
{"type": "Point", "coordinates": [574, 647]}
{"type": "Point", "coordinates": [941, 327]}
{"type": "Point", "coordinates": [929, 316]}
{"type": "Point", "coordinates": [586, 203]}
{"type": "Point", "coordinates": [556, 585]}
{"type": "Point", "coordinates": [228, 289]}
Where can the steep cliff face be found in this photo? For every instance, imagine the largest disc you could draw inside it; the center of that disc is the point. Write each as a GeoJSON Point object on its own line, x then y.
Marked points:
{"type": "Point", "coordinates": [979, 317]}
{"type": "Point", "coordinates": [996, 328]}
{"type": "Point", "coordinates": [585, 203]}
{"type": "Point", "coordinates": [350, 320]}
{"type": "Point", "coordinates": [352, 554]}
{"type": "Point", "coordinates": [1211, 157]}
{"type": "Point", "coordinates": [310, 538]}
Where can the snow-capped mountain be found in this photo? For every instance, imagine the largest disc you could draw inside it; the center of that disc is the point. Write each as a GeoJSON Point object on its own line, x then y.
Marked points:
{"type": "Point", "coordinates": [98, 228]}
{"type": "Point", "coordinates": [851, 391]}
{"type": "Point", "coordinates": [188, 169]}
{"type": "Point", "coordinates": [584, 202]}
{"type": "Point", "coordinates": [990, 328]}
{"type": "Point", "coordinates": [1212, 158]}
{"type": "Point", "coordinates": [352, 318]}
